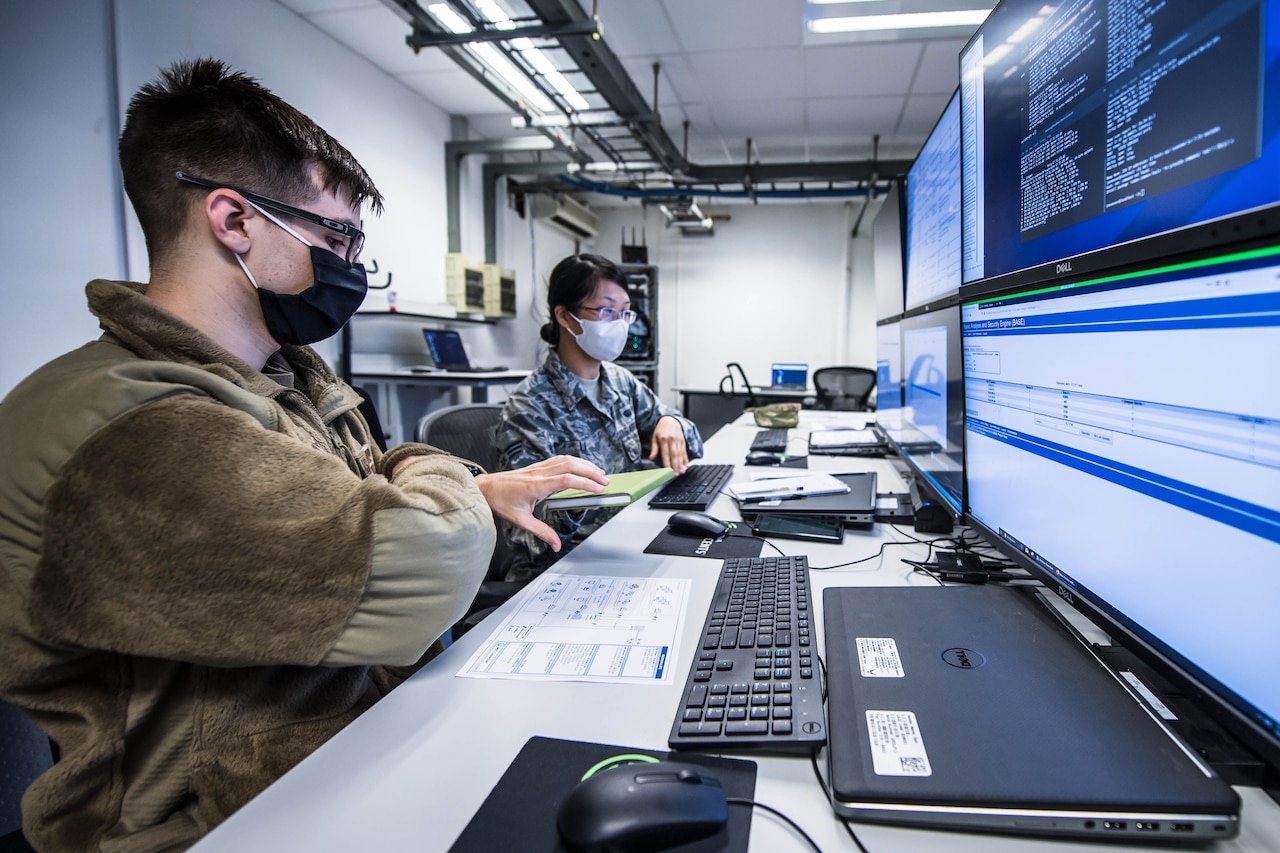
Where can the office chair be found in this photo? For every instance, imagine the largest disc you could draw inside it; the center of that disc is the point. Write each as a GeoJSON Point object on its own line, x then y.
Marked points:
{"type": "Point", "coordinates": [844, 388]}
{"type": "Point", "coordinates": [467, 431]}
{"type": "Point", "coordinates": [25, 753]}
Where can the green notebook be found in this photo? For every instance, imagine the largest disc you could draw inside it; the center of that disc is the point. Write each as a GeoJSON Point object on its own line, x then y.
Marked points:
{"type": "Point", "coordinates": [622, 489]}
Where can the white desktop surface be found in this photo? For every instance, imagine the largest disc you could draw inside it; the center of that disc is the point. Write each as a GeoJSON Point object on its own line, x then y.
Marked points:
{"type": "Point", "coordinates": [409, 774]}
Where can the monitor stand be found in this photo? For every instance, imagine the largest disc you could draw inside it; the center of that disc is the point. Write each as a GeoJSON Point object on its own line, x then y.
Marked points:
{"type": "Point", "coordinates": [1233, 761]}
{"type": "Point", "coordinates": [1221, 750]}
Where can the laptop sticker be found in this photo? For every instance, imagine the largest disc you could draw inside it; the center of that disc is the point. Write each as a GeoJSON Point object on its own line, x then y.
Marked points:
{"type": "Point", "coordinates": [897, 748]}
{"type": "Point", "coordinates": [878, 658]}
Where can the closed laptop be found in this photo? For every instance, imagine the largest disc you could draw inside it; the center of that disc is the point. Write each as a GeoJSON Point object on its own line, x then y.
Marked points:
{"type": "Point", "coordinates": [975, 708]}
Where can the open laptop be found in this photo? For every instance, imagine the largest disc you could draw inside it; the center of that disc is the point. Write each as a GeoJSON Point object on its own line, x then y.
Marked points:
{"type": "Point", "coordinates": [856, 506]}
{"type": "Point", "coordinates": [790, 377]}
{"type": "Point", "coordinates": [445, 346]}
{"type": "Point", "coordinates": [976, 708]}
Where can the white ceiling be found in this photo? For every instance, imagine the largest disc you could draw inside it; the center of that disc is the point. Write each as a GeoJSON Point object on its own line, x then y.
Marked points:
{"type": "Point", "coordinates": [732, 68]}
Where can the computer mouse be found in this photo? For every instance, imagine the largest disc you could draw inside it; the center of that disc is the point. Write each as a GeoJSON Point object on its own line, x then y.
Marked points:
{"type": "Point", "coordinates": [690, 523]}
{"type": "Point", "coordinates": [642, 807]}
{"type": "Point", "coordinates": [763, 457]}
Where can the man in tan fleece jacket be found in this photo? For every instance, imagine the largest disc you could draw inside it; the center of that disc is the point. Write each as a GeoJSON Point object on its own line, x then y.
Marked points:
{"type": "Point", "coordinates": [207, 568]}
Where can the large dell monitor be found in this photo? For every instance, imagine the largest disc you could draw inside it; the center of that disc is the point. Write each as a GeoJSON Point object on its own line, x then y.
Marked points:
{"type": "Point", "coordinates": [933, 214]}
{"type": "Point", "coordinates": [1130, 128]}
{"type": "Point", "coordinates": [930, 435]}
{"type": "Point", "coordinates": [1123, 444]}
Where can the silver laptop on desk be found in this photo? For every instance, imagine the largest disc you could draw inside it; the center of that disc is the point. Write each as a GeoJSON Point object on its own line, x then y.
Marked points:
{"type": "Point", "coordinates": [787, 376]}
{"type": "Point", "coordinates": [973, 707]}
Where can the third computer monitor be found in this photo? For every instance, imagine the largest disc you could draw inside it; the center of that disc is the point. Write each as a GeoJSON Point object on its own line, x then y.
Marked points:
{"type": "Point", "coordinates": [931, 435]}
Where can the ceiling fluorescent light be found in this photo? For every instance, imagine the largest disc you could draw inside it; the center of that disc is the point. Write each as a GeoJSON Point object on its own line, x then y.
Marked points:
{"type": "Point", "coordinates": [449, 19]}
{"type": "Point", "coordinates": [543, 66]}
{"type": "Point", "coordinates": [906, 21]}
{"type": "Point", "coordinates": [492, 57]}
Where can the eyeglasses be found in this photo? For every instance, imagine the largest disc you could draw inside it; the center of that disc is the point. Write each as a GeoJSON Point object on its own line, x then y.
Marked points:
{"type": "Point", "coordinates": [348, 248]}
{"type": "Point", "coordinates": [611, 314]}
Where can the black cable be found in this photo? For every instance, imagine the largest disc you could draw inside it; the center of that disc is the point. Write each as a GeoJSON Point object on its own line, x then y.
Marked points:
{"type": "Point", "coordinates": [822, 783]}
{"type": "Point", "coordinates": [741, 801]}
{"type": "Point", "coordinates": [924, 568]}
{"type": "Point", "coordinates": [761, 538]}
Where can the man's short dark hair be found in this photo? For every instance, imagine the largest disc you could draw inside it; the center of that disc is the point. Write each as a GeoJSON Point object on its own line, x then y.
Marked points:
{"type": "Point", "coordinates": [203, 118]}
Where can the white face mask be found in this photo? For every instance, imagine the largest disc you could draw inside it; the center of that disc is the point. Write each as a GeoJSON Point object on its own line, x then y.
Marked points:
{"type": "Point", "coordinates": [603, 340]}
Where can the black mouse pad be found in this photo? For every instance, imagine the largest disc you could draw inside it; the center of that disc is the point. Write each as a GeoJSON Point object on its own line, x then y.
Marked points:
{"type": "Point", "coordinates": [738, 543]}
{"type": "Point", "coordinates": [520, 811]}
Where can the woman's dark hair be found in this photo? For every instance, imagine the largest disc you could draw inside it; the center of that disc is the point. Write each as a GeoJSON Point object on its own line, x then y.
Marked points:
{"type": "Point", "coordinates": [572, 282]}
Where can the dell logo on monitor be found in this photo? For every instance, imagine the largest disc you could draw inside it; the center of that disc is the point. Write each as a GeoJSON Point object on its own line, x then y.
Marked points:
{"type": "Point", "coordinates": [964, 658]}
{"type": "Point", "coordinates": [1065, 266]}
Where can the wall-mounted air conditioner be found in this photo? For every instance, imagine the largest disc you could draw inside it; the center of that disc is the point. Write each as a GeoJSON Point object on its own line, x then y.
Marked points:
{"type": "Point", "coordinates": [571, 216]}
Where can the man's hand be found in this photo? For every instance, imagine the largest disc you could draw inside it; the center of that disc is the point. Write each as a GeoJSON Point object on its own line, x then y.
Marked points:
{"type": "Point", "coordinates": [668, 442]}
{"type": "Point", "coordinates": [512, 494]}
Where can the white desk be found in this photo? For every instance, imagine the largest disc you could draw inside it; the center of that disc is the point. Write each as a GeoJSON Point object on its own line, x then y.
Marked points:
{"type": "Point", "coordinates": [410, 773]}
{"type": "Point", "coordinates": [387, 401]}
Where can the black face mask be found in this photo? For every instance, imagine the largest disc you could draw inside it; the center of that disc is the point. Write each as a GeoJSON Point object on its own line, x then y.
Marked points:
{"type": "Point", "coordinates": [321, 310]}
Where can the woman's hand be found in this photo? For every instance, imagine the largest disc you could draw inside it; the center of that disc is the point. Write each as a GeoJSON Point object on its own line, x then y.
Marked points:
{"type": "Point", "coordinates": [669, 445]}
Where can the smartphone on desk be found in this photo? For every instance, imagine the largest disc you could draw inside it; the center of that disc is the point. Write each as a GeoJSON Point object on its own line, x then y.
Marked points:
{"type": "Point", "coordinates": [821, 528]}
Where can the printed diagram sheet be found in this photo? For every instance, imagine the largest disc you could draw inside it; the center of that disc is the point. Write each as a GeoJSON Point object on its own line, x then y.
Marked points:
{"type": "Point", "coordinates": [576, 628]}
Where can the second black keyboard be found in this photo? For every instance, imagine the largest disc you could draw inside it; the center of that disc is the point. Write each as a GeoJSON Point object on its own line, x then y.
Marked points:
{"type": "Point", "coordinates": [753, 685]}
{"type": "Point", "coordinates": [772, 440]}
{"type": "Point", "coordinates": [695, 489]}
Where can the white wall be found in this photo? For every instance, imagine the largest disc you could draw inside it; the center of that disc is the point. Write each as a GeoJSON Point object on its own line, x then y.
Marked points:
{"type": "Point", "coordinates": [779, 281]}
{"type": "Point", "coordinates": [57, 134]}
{"type": "Point", "coordinates": [396, 135]}
{"type": "Point", "coordinates": [61, 124]}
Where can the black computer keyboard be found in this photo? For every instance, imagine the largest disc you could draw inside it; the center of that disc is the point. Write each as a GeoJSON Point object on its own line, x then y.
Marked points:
{"type": "Point", "coordinates": [753, 685]}
{"type": "Point", "coordinates": [772, 440]}
{"type": "Point", "coordinates": [695, 489]}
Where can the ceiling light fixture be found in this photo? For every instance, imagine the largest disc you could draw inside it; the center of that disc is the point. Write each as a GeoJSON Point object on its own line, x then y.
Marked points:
{"type": "Point", "coordinates": [492, 57]}
{"type": "Point", "coordinates": [498, 16]}
{"type": "Point", "coordinates": [905, 21]}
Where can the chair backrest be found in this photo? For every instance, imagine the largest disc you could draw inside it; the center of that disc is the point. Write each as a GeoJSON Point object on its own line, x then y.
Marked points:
{"type": "Point", "coordinates": [465, 431]}
{"type": "Point", "coordinates": [844, 388]}
{"type": "Point", "coordinates": [24, 755]}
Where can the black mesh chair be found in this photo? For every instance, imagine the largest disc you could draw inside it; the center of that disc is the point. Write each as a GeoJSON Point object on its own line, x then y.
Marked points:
{"type": "Point", "coordinates": [467, 431]}
{"type": "Point", "coordinates": [844, 388]}
{"type": "Point", "coordinates": [25, 753]}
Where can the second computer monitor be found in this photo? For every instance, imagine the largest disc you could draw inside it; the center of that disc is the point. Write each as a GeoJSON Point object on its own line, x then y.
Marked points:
{"type": "Point", "coordinates": [931, 436]}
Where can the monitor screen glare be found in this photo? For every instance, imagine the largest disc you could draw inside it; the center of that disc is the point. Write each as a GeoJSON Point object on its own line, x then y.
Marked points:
{"type": "Point", "coordinates": [888, 369]}
{"type": "Point", "coordinates": [931, 436]}
{"type": "Point", "coordinates": [1123, 438]}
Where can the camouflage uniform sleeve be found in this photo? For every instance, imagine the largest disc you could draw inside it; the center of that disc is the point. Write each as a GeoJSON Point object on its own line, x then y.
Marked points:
{"type": "Point", "coordinates": [649, 410]}
{"type": "Point", "coordinates": [527, 434]}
